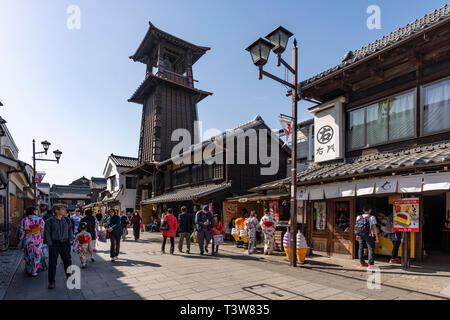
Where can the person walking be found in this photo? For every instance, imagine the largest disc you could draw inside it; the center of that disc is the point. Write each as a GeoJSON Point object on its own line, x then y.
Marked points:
{"type": "Point", "coordinates": [268, 224]}
{"type": "Point", "coordinates": [136, 223]}
{"type": "Point", "coordinates": [203, 222]}
{"type": "Point", "coordinates": [185, 226]}
{"type": "Point", "coordinates": [215, 232]}
{"type": "Point", "coordinates": [58, 235]}
{"type": "Point", "coordinates": [76, 219]}
{"type": "Point", "coordinates": [124, 223]}
{"type": "Point", "coordinates": [115, 231]}
{"type": "Point", "coordinates": [31, 235]}
{"type": "Point", "coordinates": [366, 233]}
{"type": "Point", "coordinates": [91, 227]}
{"type": "Point", "coordinates": [82, 243]}
{"type": "Point", "coordinates": [250, 227]}
{"type": "Point", "coordinates": [172, 224]}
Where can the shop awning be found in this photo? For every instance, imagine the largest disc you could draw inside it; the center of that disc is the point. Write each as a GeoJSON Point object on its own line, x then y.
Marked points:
{"type": "Point", "coordinates": [188, 194]}
{"type": "Point", "coordinates": [388, 185]}
{"type": "Point", "coordinates": [257, 197]}
{"type": "Point", "coordinates": [410, 184]}
{"type": "Point", "coordinates": [439, 181]}
{"type": "Point", "coordinates": [302, 194]}
{"type": "Point", "coordinates": [316, 194]}
{"type": "Point", "coordinates": [365, 188]}
{"type": "Point", "coordinates": [332, 191]}
{"type": "Point", "coordinates": [347, 190]}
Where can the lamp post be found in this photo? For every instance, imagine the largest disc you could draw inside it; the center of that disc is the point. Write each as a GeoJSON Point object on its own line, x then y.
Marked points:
{"type": "Point", "coordinates": [259, 52]}
{"type": "Point", "coordinates": [46, 146]}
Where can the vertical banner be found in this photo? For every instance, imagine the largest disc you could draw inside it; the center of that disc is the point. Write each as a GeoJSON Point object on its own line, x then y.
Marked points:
{"type": "Point", "coordinates": [406, 215]}
{"type": "Point", "coordinates": [300, 210]}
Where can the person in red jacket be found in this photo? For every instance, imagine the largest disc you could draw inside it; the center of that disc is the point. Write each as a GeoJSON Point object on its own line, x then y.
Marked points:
{"type": "Point", "coordinates": [214, 232]}
{"type": "Point", "coordinates": [171, 232]}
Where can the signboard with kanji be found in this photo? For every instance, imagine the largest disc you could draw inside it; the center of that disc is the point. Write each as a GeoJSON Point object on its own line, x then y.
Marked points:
{"type": "Point", "coordinates": [328, 140]}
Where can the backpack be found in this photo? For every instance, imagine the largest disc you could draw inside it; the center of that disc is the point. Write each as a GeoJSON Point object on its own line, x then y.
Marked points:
{"type": "Point", "coordinates": [362, 226]}
{"type": "Point", "coordinates": [164, 225]}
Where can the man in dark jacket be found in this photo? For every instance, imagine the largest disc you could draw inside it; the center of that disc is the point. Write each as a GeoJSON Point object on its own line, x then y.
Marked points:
{"type": "Point", "coordinates": [91, 226]}
{"type": "Point", "coordinates": [115, 231]}
{"type": "Point", "coordinates": [185, 227]}
{"type": "Point", "coordinates": [204, 221]}
{"type": "Point", "coordinates": [58, 235]}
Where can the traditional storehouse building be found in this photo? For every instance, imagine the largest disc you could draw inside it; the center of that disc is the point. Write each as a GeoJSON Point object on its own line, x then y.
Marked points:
{"type": "Point", "coordinates": [381, 134]}
{"type": "Point", "coordinates": [73, 195]}
{"type": "Point", "coordinates": [120, 192]}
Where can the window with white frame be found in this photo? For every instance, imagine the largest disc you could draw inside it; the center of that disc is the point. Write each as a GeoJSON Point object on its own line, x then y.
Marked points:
{"type": "Point", "coordinates": [436, 107]}
{"type": "Point", "coordinates": [387, 120]}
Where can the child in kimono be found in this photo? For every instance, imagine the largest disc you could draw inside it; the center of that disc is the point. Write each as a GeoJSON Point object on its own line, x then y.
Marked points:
{"type": "Point", "coordinates": [82, 243]}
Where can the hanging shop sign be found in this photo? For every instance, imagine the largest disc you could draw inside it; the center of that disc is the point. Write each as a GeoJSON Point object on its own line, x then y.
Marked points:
{"type": "Point", "coordinates": [439, 181]}
{"type": "Point", "coordinates": [300, 211]}
{"type": "Point", "coordinates": [410, 185]}
{"type": "Point", "coordinates": [328, 124]}
{"type": "Point", "coordinates": [302, 194]}
{"type": "Point", "coordinates": [386, 186]}
{"type": "Point", "coordinates": [406, 215]}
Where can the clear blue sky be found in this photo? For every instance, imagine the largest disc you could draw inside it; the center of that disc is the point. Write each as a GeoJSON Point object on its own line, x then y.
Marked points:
{"type": "Point", "coordinates": [71, 86]}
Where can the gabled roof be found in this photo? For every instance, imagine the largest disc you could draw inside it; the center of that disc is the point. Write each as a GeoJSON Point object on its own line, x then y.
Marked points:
{"type": "Point", "coordinates": [151, 81]}
{"type": "Point", "coordinates": [256, 122]}
{"type": "Point", "coordinates": [70, 192]}
{"type": "Point", "coordinates": [428, 155]}
{"type": "Point", "coordinates": [121, 161]}
{"type": "Point", "coordinates": [413, 29]}
{"type": "Point", "coordinates": [98, 183]}
{"type": "Point", "coordinates": [154, 35]}
{"type": "Point", "coordinates": [189, 194]}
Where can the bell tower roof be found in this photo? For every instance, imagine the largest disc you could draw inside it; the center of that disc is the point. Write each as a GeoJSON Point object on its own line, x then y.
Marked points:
{"type": "Point", "coordinates": [155, 36]}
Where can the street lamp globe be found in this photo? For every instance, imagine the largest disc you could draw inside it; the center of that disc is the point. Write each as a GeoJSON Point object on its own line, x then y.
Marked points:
{"type": "Point", "coordinates": [57, 154]}
{"type": "Point", "coordinates": [259, 51]}
{"type": "Point", "coordinates": [45, 145]}
{"type": "Point", "coordinates": [279, 38]}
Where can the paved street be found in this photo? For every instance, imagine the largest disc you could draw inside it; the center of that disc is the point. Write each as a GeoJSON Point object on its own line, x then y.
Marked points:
{"type": "Point", "coordinates": [143, 273]}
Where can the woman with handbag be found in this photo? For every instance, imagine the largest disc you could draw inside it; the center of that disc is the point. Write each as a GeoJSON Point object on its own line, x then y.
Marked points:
{"type": "Point", "coordinates": [216, 234]}
{"type": "Point", "coordinates": [169, 228]}
{"type": "Point", "coordinates": [31, 239]}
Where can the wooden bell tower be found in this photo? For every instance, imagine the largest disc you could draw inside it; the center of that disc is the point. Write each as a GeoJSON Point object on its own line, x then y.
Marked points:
{"type": "Point", "coordinates": [167, 93]}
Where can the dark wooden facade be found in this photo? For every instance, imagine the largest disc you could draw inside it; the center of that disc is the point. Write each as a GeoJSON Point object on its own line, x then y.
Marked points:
{"type": "Point", "coordinates": [167, 94]}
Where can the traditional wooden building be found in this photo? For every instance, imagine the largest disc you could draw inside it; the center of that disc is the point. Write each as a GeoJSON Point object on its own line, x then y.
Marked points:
{"type": "Point", "coordinates": [169, 101]}
{"type": "Point", "coordinates": [381, 133]}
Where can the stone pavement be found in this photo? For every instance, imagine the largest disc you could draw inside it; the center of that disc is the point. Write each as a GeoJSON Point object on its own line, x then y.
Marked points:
{"type": "Point", "coordinates": [9, 260]}
{"type": "Point", "coordinates": [143, 273]}
{"type": "Point", "coordinates": [422, 278]}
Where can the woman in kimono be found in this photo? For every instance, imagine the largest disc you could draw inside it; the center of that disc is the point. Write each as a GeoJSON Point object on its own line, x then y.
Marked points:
{"type": "Point", "coordinates": [268, 224]}
{"type": "Point", "coordinates": [82, 243]}
{"type": "Point", "coordinates": [250, 227]}
{"type": "Point", "coordinates": [31, 238]}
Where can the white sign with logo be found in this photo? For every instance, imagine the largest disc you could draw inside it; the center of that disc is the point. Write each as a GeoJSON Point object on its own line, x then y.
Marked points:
{"type": "Point", "coordinates": [328, 137]}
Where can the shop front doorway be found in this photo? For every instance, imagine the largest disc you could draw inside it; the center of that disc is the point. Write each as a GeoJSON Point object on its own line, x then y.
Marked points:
{"type": "Point", "coordinates": [434, 218]}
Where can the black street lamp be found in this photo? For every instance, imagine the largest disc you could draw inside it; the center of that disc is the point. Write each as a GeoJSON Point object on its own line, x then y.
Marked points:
{"type": "Point", "coordinates": [46, 146]}
{"type": "Point", "coordinates": [259, 51]}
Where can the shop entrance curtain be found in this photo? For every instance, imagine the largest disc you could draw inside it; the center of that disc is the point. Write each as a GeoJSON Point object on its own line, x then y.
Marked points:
{"type": "Point", "coordinates": [439, 181]}
{"type": "Point", "coordinates": [410, 184]}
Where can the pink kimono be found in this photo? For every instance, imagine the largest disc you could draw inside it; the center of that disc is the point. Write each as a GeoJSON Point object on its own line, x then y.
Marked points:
{"type": "Point", "coordinates": [32, 236]}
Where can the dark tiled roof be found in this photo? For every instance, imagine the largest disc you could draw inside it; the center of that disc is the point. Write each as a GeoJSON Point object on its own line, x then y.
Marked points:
{"type": "Point", "coordinates": [127, 162]}
{"type": "Point", "coordinates": [154, 34]}
{"type": "Point", "coordinates": [406, 32]}
{"type": "Point", "coordinates": [187, 194]}
{"type": "Point", "coordinates": [152, 80]}
{"type": "Point", "coordinates": [70, 192]}
{"type": "Point", "coordinates": [98, 183]}
{"type": "Point", "coordinates": [377, 163]}
{"type": "Point", "coordinates": [255, 123]}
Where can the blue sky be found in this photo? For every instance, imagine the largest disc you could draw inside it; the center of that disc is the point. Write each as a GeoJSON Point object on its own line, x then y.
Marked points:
{"type": "Point", "coordinates": [71, 86]}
